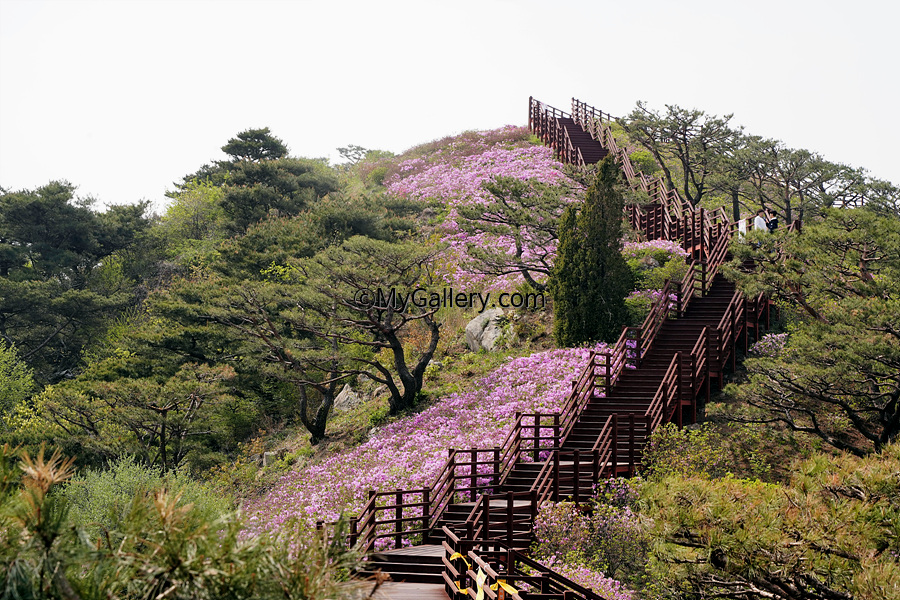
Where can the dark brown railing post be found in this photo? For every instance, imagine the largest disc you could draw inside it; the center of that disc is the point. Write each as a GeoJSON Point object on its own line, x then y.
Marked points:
{"type": "Point", "coordinates": [615, 445]}
{"type": "Point", "coordinates": [495, 481]}
{"type": "Point", "coordinates": [734, 338]}
{"type": "Point", "coordinates": [510, 504]}
{"type": "Point", "coordinates": [576, 476]}
{"type": "Point", "coordinates": [678, 386]}
{"type": "Point", "coordinates": [556, 476]}
{"type": "Point", "coordinates": [371, 531]}
{"type": "Point", "coordinates": [537, 437]}
{"type": "Point", "coordinates": [485, 517]}
{"type": "Point", "coordinates": [354, 524]}
{"type": "Point", "coordinates": [631, 444]}
{"type": "Point", "coordinates": [592, 362]}
{"type": "Point", "coordinates": [607, 375]}
{"type": "Point", "coordinates": [534, 506]}
{"type": "Point", "coordinates": [398, 516]}
{"type": "Point", "coordinates": [426, 511]}
{"type": "Point", "coordinates": [557, 442]}
{"type": "Point", "coordinates": [473, 474]}
{"type": "Point", "coordinates": [517, 444]}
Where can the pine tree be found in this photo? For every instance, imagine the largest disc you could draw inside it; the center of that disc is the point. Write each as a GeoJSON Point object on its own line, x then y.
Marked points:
{"type": "Point", "coordinates": [590, 277]}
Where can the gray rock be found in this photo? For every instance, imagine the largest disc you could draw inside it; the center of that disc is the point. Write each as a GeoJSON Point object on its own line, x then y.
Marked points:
{"type": "Point", "coordinates": [346, 400]}
{"type": "Point", "coordinates": [485, 331]}
{"type": "Point", "coordinates": [647, 263]}
{"type": "Point", "coordinates": [270, 458]}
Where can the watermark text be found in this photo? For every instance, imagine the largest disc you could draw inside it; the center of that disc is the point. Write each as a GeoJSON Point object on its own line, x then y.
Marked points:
{"type": "Point", "coordinates": [402, 301]}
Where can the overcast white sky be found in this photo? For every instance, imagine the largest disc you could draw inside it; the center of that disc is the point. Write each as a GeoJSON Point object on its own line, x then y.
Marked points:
{"type": "Point", "coordinates": [124, 97]}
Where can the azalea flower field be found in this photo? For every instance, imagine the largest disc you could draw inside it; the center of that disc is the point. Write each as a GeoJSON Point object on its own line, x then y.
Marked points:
{"type": "Point", "coordinates": [454, 177]}
{"type": "Point", "coordinates": [409, 452]}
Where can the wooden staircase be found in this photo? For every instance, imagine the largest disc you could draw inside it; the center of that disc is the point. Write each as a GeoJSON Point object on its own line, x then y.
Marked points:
{"type": "Point", "coordinates": [482, 506]}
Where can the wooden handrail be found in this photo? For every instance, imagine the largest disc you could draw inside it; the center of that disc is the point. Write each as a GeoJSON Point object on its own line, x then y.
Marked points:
{"type": "Point", "coordinates": [662, 406]}
{"type": "Point", "coordinates": [498, 560]}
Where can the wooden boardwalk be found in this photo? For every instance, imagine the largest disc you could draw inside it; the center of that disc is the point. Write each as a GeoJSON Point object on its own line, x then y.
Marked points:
{"type": "Point", "coordinates": [412, 591]}
{"type": "Point", "coordinates": [429, 550]}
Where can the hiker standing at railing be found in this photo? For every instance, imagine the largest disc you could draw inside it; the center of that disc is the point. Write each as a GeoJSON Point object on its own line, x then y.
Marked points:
{"type": "Point", "coordinates": [760, 223]}
{"type": "Point", "coordinates": [771, 221]}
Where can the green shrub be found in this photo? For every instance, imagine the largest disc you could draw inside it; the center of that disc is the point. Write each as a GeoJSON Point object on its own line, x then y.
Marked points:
{"type": "Point", "coordinates": [695, 452]}
{"type": "Point", "coordinates": [644, 162]}
{"type": "Point", "coordinates": [100, 500]}
{"type": "Point", "coordinates": [830, 532]}
{"type": "Point", "coordinates": [376, 177]}
{"type": "Point", "coordinates": [162, 548]}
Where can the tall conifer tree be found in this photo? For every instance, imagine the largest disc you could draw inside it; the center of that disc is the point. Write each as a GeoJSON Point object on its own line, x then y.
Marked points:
{"type": "Point", "coordinates": [591, 278]}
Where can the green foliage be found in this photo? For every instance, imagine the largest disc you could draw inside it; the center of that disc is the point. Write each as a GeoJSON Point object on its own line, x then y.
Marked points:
{"type": "Point", "coordinates": [62, 273]}
{"type": "Point", "coordinates": [195, 221]}
{"type": "Point", "coordinates": [116, 408]}
{"type": "Point", "coordinates": [590, 276]}
{"type": "Point", "coordinates": [375, 335]}
{"type": "Point", "coordinates": [838, 376]}
{"type": "Point", "coordinates": [282, 187]}
{"type": "Point", "coordinates": [691, 141]}
{"type": "Point", "coordinates": [161, 547]}
{"type": "Point", "coordinates": [522, 213]}
{"type": "Point", "coordinates": [16, 381]}
{"type": "Point", "coordinates": [255, 145]}
{"type": "Point", "coordinates": [261, 180]}
{"type": "Point", "coordinates": [689, 452]}
{"type": "Point", "coordinates": [651, 273]}
{"type": "Point", "coordinates": [707, 451]}
{"type": "Point", "coordinates": [604, 535]}
{"type": "Point", "coordinates": [99, 500]}
{"type": "Point", "coordinates": [644, 162]}
{"type": "Point", "coordinates": [832, 532]}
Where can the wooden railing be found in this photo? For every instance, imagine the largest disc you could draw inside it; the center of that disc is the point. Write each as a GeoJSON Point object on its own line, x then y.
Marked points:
{"type": "Point", "coordinates": [667, 400]}
{"type": "Point", "coordinates": [464, 558]}
{"type": "Point", "coordinates": [466, 474]}
{"type": "Point", "coordinates": [503, 516]}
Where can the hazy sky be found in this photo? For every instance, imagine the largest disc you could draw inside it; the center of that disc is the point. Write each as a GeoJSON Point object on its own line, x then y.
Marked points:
{"type": "Point", "coordinates": [124, 97]}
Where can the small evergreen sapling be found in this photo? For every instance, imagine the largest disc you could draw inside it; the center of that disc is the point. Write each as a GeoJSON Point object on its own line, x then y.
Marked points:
{"type": "Point", "coordinates": [590, 277]}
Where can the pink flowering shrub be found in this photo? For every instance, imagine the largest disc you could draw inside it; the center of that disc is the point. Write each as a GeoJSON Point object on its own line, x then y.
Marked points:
{"type": "Point", "coordinates": [659, 250]}
{"type": "Point", "coordinates": [584, 543]}
{"type": "Point", "coordinates": [595, 581]}
{"type": "Point", "coordinates": [618, 491]}
{"type": "Point", "coordinates": [769, 345]}
{"type": "Point", "coordinates": [408, 453]}
{"type": "Point", "coordinates": [561, 532]}
{"type": "Point", "coordinates": [453, 176]}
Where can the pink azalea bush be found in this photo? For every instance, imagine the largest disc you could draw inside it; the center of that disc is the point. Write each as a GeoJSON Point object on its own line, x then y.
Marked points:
{"type": "Point", "coordinates": [660, 250]}
{"type": "Point", "coordinates": [652, 263]}
{"type": "Point", "coordinates": [639, 303]}
{"type": "Point", "coordinates": [582, 543]}
{"type": "Point", "coordinates": [595, 581]}
{"type": "Point", "coordinates": [453, 175]}
{"type": "Point", "coordinates": [769, 345]}
{"type": "Point", "coordinates": [408, 453]}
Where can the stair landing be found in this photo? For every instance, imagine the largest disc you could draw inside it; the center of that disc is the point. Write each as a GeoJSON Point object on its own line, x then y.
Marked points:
{"type": "Point", "coordinates": [411, 591]}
